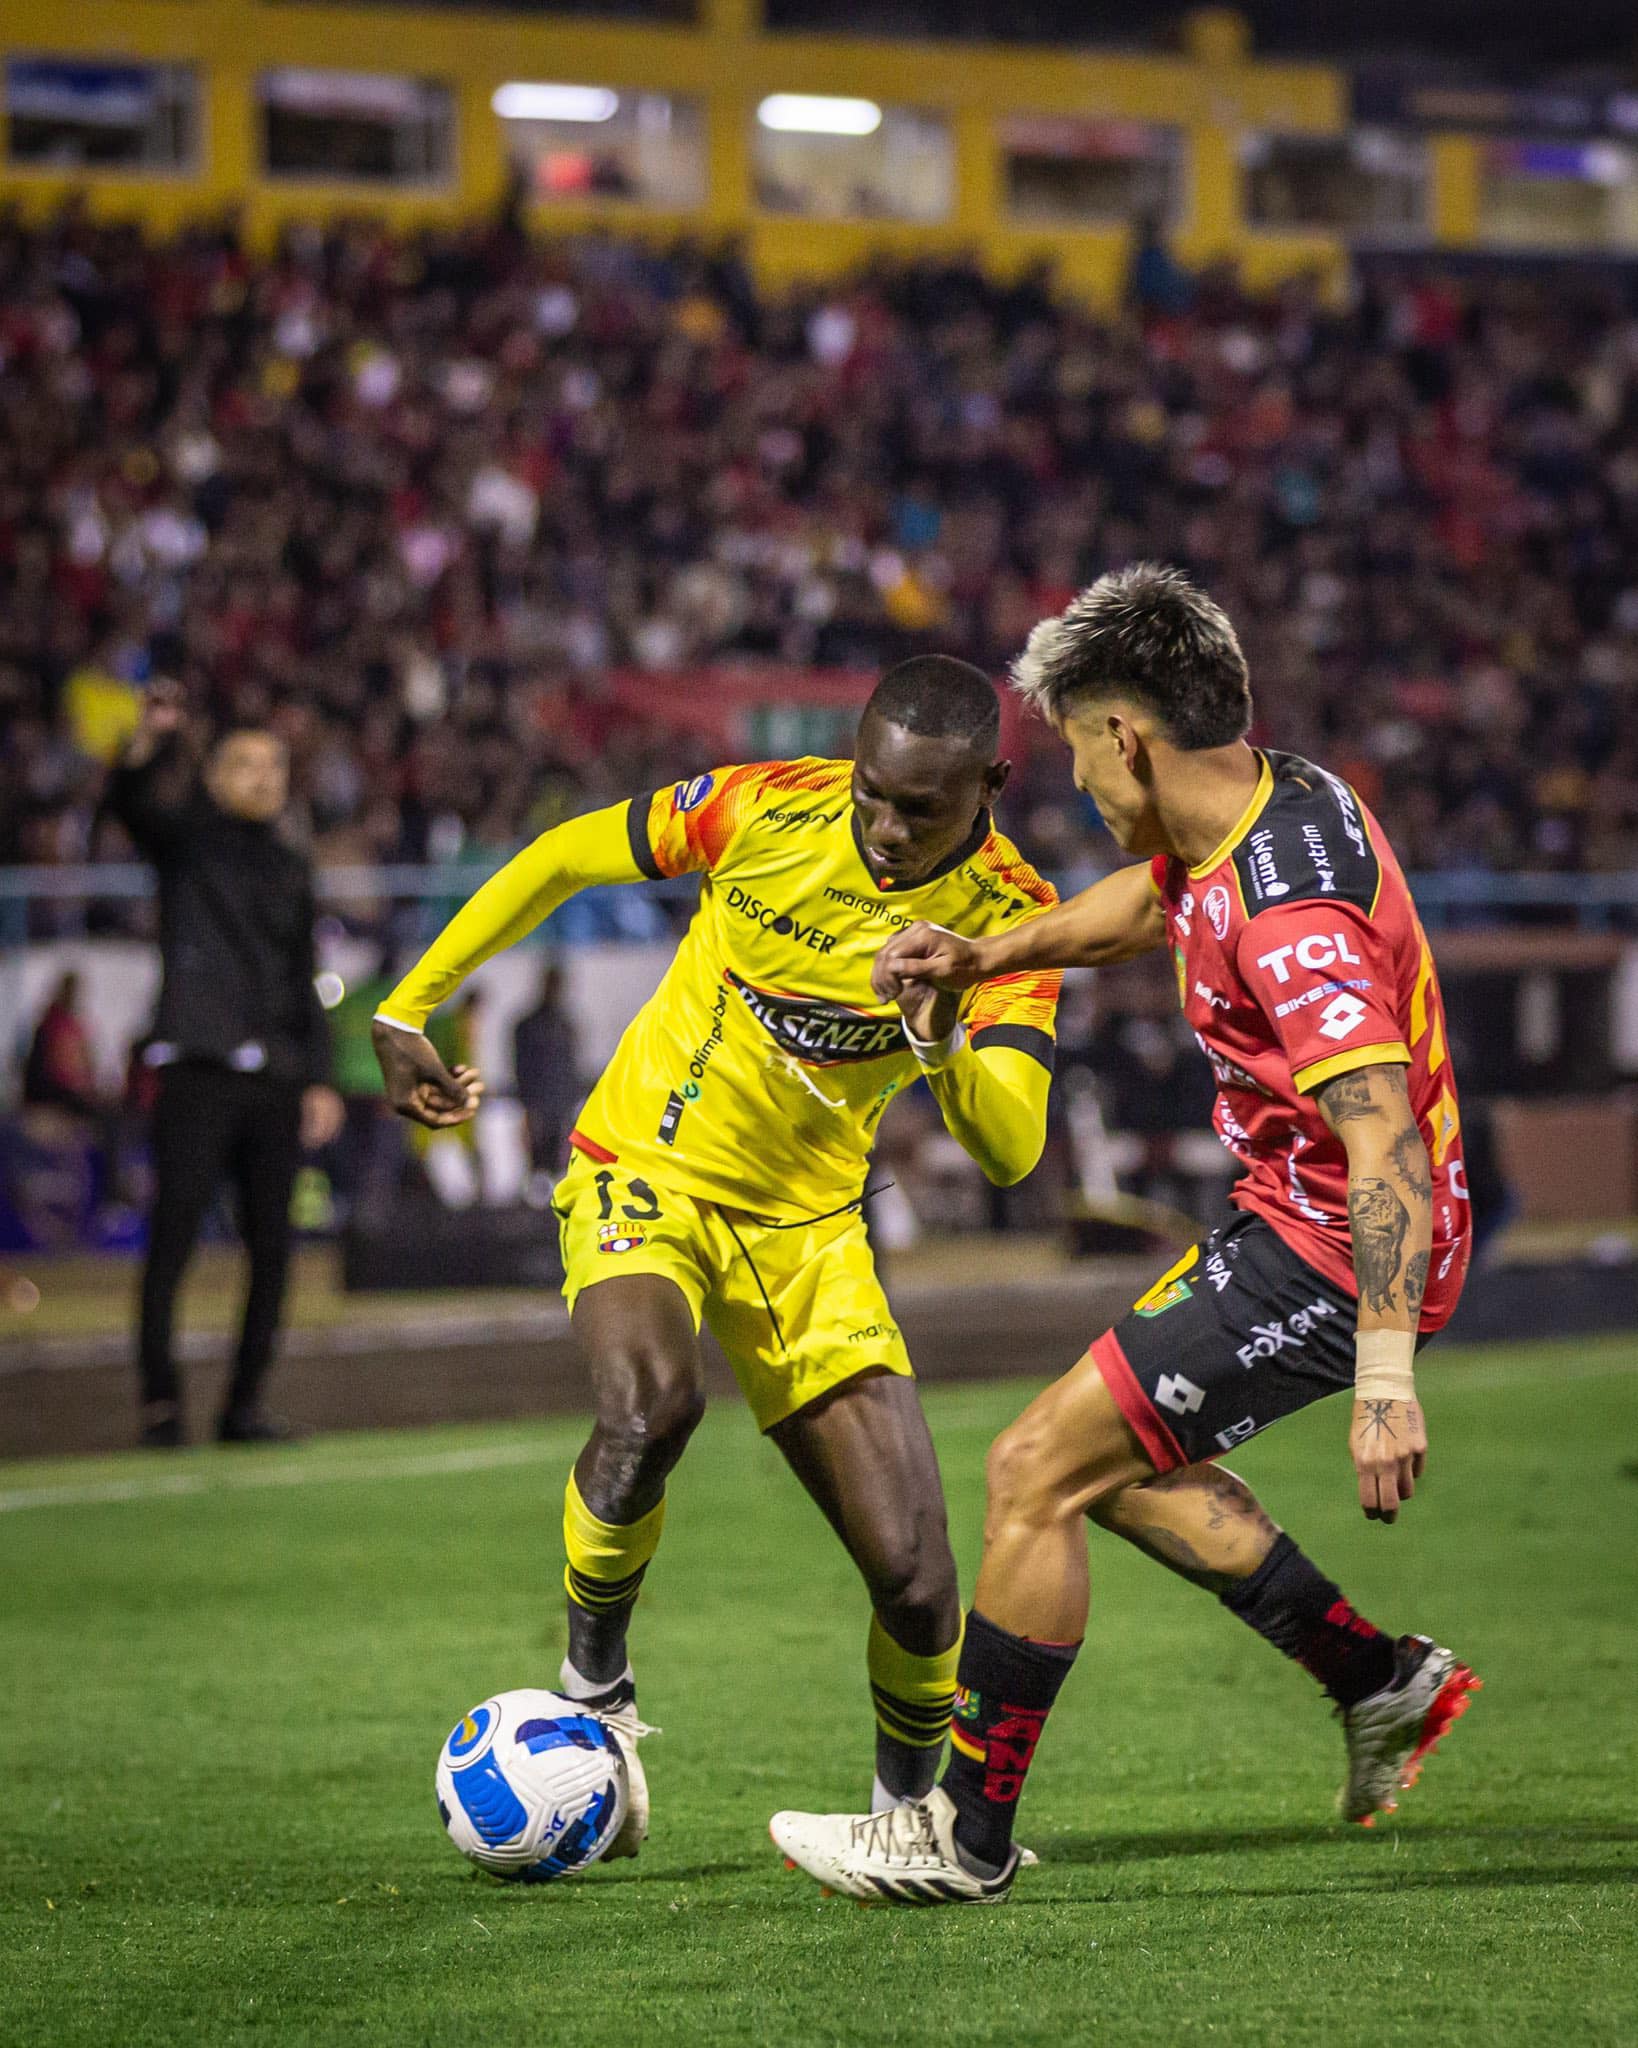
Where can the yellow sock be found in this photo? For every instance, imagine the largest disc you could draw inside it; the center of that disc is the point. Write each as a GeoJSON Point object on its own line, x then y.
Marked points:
{"type": "Point", "coordinates": [607, 1560]}
{"type": "Point", "coordinates": [913, 1695]}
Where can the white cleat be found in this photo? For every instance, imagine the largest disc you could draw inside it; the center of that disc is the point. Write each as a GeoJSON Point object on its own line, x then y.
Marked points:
{"type": "Point", "coordinates": [1391, 1733]}
{"type": "Point", "coordinates": [904, 1857]}
{"type": "Point", "coordinates": [618, 1707]}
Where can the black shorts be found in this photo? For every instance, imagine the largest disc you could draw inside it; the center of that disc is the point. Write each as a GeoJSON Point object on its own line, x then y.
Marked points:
{"type": "Point", "coordinates": [1236, 1335]}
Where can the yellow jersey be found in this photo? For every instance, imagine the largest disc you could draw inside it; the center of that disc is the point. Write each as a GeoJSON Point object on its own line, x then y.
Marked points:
{"type": "Point", "coordinates": [757, 1073]}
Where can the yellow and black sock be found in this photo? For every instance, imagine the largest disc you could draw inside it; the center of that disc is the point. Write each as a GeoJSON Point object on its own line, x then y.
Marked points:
{"type": "Point", "coordinates": [913, 1697]}
{"type": "Point", "coordinates": [607, 1560]}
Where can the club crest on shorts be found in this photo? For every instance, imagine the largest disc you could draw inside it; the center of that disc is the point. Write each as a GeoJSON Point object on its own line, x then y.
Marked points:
{"type": "Point", "coordinates": [620, 1237]}
{"type": "Point", "coordinates": [1156, 1304]}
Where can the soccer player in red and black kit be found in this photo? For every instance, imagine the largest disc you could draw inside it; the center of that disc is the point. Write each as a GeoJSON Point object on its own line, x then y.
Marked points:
{"type": "Point", "coordinates": [1304, 971]}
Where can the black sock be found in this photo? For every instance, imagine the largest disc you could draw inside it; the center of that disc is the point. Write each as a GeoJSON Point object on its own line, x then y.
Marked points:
{"type": "Point", "coordinates": [1297, 1608]}
{"type": "Point", "coordinates": [1005, 1688]}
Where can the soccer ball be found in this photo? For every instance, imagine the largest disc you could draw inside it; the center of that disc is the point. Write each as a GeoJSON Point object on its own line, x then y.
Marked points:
{"type": "Point", "coordinates": [531, 1786]}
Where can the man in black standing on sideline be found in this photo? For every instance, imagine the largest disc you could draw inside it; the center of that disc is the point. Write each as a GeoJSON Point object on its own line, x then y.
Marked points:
{"type": "Point", "coordinates": [240, 1038]}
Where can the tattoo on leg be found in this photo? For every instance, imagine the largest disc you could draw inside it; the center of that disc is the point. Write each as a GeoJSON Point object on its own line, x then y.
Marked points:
{"type": "Point", "coordinates": [1179, 1555]}
{"type": "Point", "coordinates": [1229, 1498]}
{"type": "Point", "coordinates": [1379, 1221]}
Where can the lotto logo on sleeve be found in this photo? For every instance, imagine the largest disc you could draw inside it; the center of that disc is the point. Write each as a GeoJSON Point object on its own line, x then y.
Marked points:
{"type": "Point", "coordinates": [1341, 1015]}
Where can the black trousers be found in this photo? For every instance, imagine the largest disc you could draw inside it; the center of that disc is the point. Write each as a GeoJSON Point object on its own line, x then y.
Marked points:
{"type": "Point", "coordinates": [212, 1124]}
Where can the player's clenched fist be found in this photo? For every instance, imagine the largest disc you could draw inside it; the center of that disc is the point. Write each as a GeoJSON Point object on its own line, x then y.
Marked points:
{"type": "Point", "coordinates": [419, 1085]}
{"type": "Point", "coordinates": [926, 953]}
{"type": "Point", "coordinates": [1389, 1442]}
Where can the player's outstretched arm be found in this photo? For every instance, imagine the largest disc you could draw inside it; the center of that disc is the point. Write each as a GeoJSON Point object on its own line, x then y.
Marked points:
{"type": "Point", "coordinates": [594, 849]}
{"type": "Point", "coordinates": [1390, 1214]}
{"type": "Point", "coordinates": [1115, 919]}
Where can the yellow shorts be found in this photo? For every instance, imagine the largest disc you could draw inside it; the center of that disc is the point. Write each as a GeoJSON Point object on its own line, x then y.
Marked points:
{"type": "Point", "coordinates": [797, 1308]}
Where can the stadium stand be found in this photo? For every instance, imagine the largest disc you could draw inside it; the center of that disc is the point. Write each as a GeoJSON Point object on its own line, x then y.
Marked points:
{"type": "Point", "coordinates": [416, 497]}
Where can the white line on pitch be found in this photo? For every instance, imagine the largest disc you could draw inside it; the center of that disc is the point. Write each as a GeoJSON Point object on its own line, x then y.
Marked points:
{"type": "Point", "coordinates": [167, 1485]}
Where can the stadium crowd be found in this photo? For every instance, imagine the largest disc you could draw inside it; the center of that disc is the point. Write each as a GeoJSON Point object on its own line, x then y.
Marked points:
{"type": "Point", "coordinates": [414, 500]}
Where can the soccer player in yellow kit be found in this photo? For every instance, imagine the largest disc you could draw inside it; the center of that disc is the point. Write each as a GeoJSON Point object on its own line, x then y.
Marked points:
{"type": "Point", "coordinates": [719, 1164]}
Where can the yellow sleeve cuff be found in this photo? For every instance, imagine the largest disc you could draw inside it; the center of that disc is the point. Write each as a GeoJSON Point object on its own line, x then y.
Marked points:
{"type": "Point", "coordinates": [1316, 1076]}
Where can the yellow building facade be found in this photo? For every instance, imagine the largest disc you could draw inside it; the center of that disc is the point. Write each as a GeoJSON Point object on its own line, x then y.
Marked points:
{"type": "Point", "coordinates": [946, 158]}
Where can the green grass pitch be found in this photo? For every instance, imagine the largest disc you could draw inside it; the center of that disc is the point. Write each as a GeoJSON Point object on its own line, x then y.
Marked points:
{"type": "Point", "coordinates": [227, 1675]}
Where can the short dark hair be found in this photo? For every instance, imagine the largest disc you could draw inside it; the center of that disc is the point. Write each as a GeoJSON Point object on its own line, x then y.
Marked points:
{"type": "Point", "coordinates": [1146, 633]}
{"type": "Point", "coordinates": [940, 698]}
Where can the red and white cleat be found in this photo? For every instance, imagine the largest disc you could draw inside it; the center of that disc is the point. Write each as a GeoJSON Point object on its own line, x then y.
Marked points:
{"type": "Point", "coordinates": [1391, 1733]}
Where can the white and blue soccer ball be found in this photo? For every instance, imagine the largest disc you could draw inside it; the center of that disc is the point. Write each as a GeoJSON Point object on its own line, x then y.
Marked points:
{"type": "Point", "coordinates": [531, 1786]}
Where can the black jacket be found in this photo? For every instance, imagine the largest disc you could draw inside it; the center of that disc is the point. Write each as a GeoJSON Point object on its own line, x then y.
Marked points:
{"type": "Point", "coordinates": [236, 915]}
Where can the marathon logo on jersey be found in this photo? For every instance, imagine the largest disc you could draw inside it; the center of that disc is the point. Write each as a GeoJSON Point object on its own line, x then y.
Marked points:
{"type": "Point", "coordinates": [1217, 909]}
{"type": "Point", "coordinates": [817, 1033]}
{"type": "Point", "coordinates": [688, 796]}
{"type": "Point", "coordinates": [1315, 952]}
{"type": "Point", "coordinates": [1320, 854]}
{"type": "Point", "coordinates": [781, 923]}
{"type": "Point", "coordinates": [1289, 1334]}
{"type": "Point", "coordinates": [865, 907]}
{"type": "Point", "coordinates": [1265, 873]}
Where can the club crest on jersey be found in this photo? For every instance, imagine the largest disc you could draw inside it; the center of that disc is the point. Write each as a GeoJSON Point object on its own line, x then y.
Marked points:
{"type": "Point", "coordinates": [1217, 909]}
{"type": "Point", "coordinates": [688, 796]}
{"type": "Point", "coordinates": [619, 1237]}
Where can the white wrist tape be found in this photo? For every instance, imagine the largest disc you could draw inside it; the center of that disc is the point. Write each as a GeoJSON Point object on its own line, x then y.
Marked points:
{"type": "Point", "coordinates": [414, 1030]}
{"type": "Point", "coordinates": [934, 1053]}
{"type": "Point", "coordinates": [1384, 1365]}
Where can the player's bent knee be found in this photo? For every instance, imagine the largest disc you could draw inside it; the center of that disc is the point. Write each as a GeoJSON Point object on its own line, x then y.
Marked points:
{"type": "Point", "coordinates": [1032, 1475]}
{"type": "Point", "coordinates": [913, 1585]}
{"type": "Point", "coordinates": [657, 1400]}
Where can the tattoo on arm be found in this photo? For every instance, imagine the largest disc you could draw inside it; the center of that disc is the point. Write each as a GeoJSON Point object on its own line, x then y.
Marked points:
{"type": "Point", "coordinates": [1379, 1221]}
{"type": "Point", "coordinates": [1363, 1092]}
{"type": "Point", "coordinates": [1347, 1098]}
{"type": "Point", "coordinates": [1410, 1159]}
{"type": "Point", "coordinates": [1416, 1280]}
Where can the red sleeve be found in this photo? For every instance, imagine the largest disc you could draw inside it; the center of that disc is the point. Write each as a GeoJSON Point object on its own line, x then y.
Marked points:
{"type": "Point", "coordinates": [1322, 974]}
